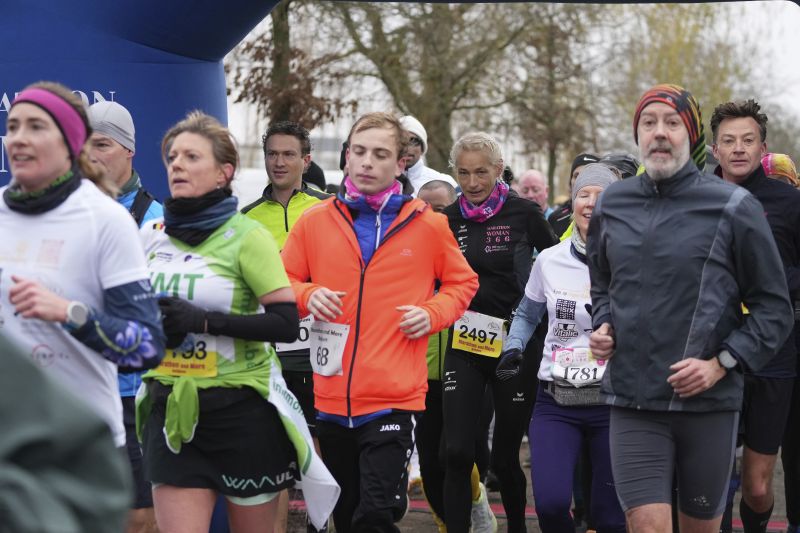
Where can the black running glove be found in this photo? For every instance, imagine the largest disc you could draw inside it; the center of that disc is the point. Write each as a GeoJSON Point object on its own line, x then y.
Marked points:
{"type": "Point", "coordinates": [179, 317]}
{"type": "Point", "coordinates": [509, 364]}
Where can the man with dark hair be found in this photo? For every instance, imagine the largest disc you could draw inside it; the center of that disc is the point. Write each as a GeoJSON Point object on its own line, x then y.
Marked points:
{"type": "Point", "coordinates": [672, 254]}
{"type": "Point", "coordinates": [561, 217]}
{"type": "Point", "coordinates": [287, 154]}
{"type": "Point", "coordinates": [740, 134]}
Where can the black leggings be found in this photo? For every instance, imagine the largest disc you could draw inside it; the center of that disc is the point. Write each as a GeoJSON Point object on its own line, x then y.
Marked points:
{"type": "Point", "coordinates": [465, 380]}
{"type": "Point", "coordinates": [429, 439]}
{"type": "Point", "coordinates": [790, 457]}
{"type": "Point", "coordinates": [431, 448]}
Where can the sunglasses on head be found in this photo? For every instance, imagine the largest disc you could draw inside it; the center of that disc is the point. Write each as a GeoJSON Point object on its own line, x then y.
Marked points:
{"type": "Point", "coordinates": [415, 141]}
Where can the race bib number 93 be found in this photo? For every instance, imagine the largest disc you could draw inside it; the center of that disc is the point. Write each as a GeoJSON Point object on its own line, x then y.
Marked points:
{"type": "Point", "coordinates": [196, 357]}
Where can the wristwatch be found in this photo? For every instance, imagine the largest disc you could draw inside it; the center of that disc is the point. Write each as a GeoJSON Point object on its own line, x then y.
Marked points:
{"type": "Point", "coordinates": [77, 315]}
{"type": "Point", "coordinates": [726, 360]}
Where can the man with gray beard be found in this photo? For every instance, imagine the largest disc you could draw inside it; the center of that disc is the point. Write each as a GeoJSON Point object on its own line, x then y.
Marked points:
{"type": "Point", "coordinates": [673, 254]}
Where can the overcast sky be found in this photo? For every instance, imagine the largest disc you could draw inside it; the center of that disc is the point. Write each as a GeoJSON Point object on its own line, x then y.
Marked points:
{"type": "Point", "coordinates": [775, 23]}
{"type": "Point", "coordinates": [778, 24]}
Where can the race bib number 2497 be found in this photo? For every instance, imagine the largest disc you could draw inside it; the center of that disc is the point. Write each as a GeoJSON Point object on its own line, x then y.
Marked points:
{"type": "Point", "coordinates": [479, 334]}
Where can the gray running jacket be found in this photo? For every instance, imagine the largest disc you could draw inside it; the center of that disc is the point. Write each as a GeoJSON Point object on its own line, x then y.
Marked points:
{"type": "Point", "coordinates": [670, 263]}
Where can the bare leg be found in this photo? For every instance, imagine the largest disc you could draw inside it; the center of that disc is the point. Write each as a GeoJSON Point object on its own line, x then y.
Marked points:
{"type": "Point", "coordinates": [650, 518]}
{"type": "Point", "coordinates": [757, 470]}
{"type": "Point", "coordinates": [253, 518]}
{"type": "Point", "coordinates": [182, 510]}
{"type": "Point", "coordinates": [141, 521]}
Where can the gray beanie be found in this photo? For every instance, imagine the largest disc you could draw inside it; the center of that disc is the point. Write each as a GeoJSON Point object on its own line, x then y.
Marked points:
{"type": "Point", "coordinates": [593, 174]}
{"type": "Point", "coordinates": [113, 120]}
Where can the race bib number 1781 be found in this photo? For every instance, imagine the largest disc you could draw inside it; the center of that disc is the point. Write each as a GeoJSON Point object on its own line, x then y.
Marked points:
{"type": "Point", "coordinates": [577, 366]}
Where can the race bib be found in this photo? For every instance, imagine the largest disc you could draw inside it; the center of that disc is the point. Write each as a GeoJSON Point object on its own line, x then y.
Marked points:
{"type": "Point", "coordinates": [195, 357]}
{"type": "Point", "coordinates": [302, 342]}
{"type": "Point", "coordinates": [327, 342]}
{"type": "Point", "coordinates": [479, 334]}
{"type": "Point", "coordinates": [577, 366]}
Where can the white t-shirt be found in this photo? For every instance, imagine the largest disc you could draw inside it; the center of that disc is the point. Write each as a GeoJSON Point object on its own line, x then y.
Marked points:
{"type": "Point", "coordinates": [562, 281]}
{"type": "Point", "coordinates": [87, 244]}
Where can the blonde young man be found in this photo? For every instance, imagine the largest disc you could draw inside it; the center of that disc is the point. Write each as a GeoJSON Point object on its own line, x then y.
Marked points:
{"type": "Point", "coordinates": [364, 264]}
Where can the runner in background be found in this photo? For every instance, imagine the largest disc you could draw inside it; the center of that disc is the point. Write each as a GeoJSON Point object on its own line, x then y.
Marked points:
{"type": "Point", "coordinates": [111, 148]}
{"type": "Point", "coordinates": [569, 412]}
{"type": "Point", "coordinates": [287, 156]}
{"type": "Point", "coordinates": [496, 231]}
{"type": "Point", "coordinates": [440, 194]}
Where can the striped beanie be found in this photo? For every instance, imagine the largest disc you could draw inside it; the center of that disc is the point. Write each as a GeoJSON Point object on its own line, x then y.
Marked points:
{"type": "Point", "coordinates": [780, 165]}
{"type": "Point", "coordinates": [689, 110]}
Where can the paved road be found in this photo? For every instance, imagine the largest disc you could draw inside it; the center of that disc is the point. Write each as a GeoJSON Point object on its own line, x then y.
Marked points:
{"type": "Point", "coordinates": [419, 519]}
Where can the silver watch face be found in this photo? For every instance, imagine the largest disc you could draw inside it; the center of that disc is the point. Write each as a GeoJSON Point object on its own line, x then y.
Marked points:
{"type": "Point", "coordinates": [726, 360]}
{"type": "Point", "coordinates": [77, 314]}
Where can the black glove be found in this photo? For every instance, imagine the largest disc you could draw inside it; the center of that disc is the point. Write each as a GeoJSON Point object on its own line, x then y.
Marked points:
{"type": "Point", "coordinates": [173, 341]}
{"type": "Point", "coordinates": [508, 367]}
{"type": "Point", "coordinates": [179, 317]}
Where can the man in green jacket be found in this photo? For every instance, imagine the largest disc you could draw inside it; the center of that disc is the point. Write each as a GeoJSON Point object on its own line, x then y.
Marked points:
{"type": "Point", "coordinates": [287, 155]}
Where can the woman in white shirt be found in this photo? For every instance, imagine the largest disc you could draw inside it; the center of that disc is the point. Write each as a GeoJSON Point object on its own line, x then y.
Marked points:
{"type": "Point", "coordinates": [568, 406]}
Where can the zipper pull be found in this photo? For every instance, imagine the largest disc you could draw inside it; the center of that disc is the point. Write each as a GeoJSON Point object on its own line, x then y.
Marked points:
{"type": "Point", "coordinates": [377, 230]}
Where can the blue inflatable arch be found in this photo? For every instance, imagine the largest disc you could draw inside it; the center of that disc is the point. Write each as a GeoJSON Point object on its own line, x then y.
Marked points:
{"type": "Point", "coordinates": [158, 58]}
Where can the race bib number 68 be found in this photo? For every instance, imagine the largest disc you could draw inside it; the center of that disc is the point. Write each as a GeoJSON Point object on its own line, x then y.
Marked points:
{"type": "Point", "coordinates": [327, 347]}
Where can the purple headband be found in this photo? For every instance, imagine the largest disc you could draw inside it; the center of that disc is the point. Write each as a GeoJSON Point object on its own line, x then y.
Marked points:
{"type": "Point", "coordinates": [65, 116]}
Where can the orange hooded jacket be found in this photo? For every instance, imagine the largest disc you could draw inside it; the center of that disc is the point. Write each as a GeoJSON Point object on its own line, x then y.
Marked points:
{"type": "Point", "coordinates": [381, 367]}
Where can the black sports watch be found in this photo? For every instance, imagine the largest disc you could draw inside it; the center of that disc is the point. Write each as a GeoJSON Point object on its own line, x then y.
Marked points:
{"type": "Point", "coordinates": [726, 360]}
{"type": "Point", "coordinates": [77, 315]}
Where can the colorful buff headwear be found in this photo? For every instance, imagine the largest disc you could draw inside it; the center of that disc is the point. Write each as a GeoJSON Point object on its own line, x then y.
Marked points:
{"type": "Point", "coordinates": [780, 165]}
{"type": "Point", "coordinates": [73, 128]}
{"type": "Point", "coordinates": [689, 110]}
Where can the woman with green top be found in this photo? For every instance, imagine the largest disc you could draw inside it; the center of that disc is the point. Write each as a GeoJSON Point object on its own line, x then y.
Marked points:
{"type": "Point", "coordinates": [205, 425]}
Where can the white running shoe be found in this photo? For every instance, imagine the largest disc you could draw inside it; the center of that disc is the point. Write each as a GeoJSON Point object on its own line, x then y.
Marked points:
{"type": "Point", "coordinates": [483, 519]}
{"type": "Point", "coordinates": [414, 476]}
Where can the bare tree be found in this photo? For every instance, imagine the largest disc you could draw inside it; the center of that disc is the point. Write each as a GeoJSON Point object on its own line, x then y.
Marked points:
{"type": "Point", "coordinates": [553, 110]}
{"type": "Point", "coordinates": [435, 60]}
{"type": "Point", "coordinates": [692, 45]}
{"type": "Point", "coordinates": [284, 81]}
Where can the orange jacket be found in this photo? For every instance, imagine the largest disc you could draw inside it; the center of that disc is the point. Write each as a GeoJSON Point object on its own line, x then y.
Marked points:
{"type": "Point", "coordinates": [381, 368]}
